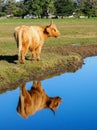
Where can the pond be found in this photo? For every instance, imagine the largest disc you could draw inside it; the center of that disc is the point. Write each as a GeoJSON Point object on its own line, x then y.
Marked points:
{"type": "Point", "coordinates": [77, 109]}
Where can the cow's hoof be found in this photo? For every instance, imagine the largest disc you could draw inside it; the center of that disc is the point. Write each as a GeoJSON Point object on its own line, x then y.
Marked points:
{"type": "Point", "coordinates": [38, 59]}
{"type": "Point", "coordinates": [33, 60]}
{"type": "Point", "coordinates": [22, 62]}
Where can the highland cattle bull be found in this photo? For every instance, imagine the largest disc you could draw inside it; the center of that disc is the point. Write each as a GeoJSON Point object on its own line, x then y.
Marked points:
{"type": "Point", "coordinates": [34, 100]}
{"type": "Point", "coordinates": [32, 38]}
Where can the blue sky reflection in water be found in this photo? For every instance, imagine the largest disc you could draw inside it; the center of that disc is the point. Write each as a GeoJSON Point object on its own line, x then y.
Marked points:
{"type": "Point", "coordinates": [78, 110]}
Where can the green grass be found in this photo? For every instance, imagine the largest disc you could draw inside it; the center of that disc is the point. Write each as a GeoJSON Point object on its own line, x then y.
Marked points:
{"type": "Point", "coordinates": [73, 31]}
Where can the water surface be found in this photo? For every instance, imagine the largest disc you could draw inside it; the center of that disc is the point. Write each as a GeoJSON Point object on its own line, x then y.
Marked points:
{"type": "Point", "coordinates": [77, 111]}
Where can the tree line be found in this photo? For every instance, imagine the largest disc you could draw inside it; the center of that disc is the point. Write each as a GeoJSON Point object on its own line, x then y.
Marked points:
{"type": "Point", "coordinates": [44, 8]}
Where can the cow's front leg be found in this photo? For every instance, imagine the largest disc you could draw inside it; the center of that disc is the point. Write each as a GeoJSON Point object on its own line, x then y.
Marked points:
{"type": "Point", "coordinates": [23, 58]}
{"type": "Point", "coordinates": [33, 56]}
{"type": "Point", "coordinates": [38, 57]}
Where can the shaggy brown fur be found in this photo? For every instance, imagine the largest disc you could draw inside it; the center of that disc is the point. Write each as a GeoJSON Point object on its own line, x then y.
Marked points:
{"type": "Point", "coordinates": [32, 38]}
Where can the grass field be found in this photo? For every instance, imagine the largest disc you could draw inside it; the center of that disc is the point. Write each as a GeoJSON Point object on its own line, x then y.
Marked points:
{"type": "Point", "coordinates": [81, 31]}
{"type": "Point", "coordinates": [73, 32]}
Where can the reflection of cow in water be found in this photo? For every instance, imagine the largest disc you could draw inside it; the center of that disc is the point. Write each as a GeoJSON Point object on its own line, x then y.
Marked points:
{"type": "Point", "coordinates": [34, 100]}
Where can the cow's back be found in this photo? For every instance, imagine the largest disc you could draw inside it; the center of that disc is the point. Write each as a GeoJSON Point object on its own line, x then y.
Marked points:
{"type": "Point", "coordinates": [36, 34]}
{"type": "Point", "coordinates": [32, 35]}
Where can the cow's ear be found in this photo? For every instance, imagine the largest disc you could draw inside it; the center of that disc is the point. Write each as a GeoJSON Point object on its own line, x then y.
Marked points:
{"type": "Point", "coordinates": [47, 29]}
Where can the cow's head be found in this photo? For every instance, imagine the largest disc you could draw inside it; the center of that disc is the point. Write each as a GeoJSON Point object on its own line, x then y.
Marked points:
{"type": "Point", "coordinates": [52, 30]}
{"type": "Point", "coordinates": [53, 103]}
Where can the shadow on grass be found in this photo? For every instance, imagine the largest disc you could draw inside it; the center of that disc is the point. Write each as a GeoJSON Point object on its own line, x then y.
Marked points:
{"type": "Point", "coordinates": [10, 59]}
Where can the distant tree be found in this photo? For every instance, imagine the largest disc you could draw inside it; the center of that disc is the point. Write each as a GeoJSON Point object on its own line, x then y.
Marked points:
{"type": "Point", "coordinates": [2, 13]}
{"type": "Point", "coordinates": [38, 7]}
{"type": "Point", "coordinates": [1, 5]}
{"type": "Point", "coordinates": [18, 9]}
{"type": "Point", "coordinates": [88, 7]}
{"type": "Point", "coordinates": [47, 7]}
{"type": "Point", "coordinates": [9, 6]}
{"type": "Point", "coordinates": [32, 7]}
{"type": "Point", "coordinates": [64, 7]}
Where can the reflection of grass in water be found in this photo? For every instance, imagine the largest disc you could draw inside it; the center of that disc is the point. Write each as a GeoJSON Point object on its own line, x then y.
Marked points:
{"type": "Point", "coordinates": [73, 31]}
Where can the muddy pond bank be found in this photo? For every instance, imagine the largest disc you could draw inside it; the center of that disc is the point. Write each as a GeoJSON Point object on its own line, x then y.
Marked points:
{"type": "Point", "coordinates": [71, 60]}
{"type": "Point", "coordinates": [84, 51]}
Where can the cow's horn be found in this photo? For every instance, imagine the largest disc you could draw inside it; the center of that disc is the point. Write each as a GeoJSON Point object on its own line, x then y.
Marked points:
{"type": "Point", "coordinates": [53, 111]}
{"type": "Point", "coordinates": [52, 22]}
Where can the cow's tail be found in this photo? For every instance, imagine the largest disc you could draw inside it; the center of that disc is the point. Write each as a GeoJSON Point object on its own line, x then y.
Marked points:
{"type": "Point", "coordinates": [18, 38]}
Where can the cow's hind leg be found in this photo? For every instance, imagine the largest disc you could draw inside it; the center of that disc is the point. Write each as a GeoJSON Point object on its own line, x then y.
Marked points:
{"type": "Point", "coordinates": [19, 56]}
{"type": "Point", "coordinates": [23, 54]}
